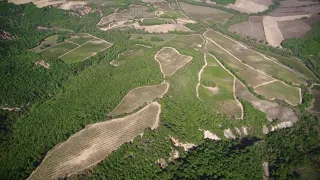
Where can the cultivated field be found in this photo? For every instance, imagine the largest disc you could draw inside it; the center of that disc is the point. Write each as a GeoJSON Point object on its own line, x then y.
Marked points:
{"type": "Point", "coordinates": [271, 109]}
{"type": "Point", "coordinates": [86, 50]}
{"type": "Point", "coordinates": [95, 142]}
{"type": "Point", "coordinates": [315, 107]}
{"type": "Point", "coordinates": [156, 21]}
{"type": "Point", "coordinates": [253, 77]}
{"type": "Point", "coordinates": [149, 37]}
{"type": "Point", "coordinates": [130, 54]}
{"type": "Point", "coordinates": [171, 60]}
{"type": "Point", "coordinates": [187, 41]}
{"type": "Point", "coordinates": [252, 28]}
{"type": "Point", "coordinates": [162, 28]}
{"type": "Point", "coordinates": [250, 6]}
{"type": "Point", "coordinates": [220, 97]}
{"type": "Point", "coordinates": [255, 59]}
{"type": "Point", "coordinates": [138, 97]}
{"type": "Point", "coordinates": [280, 90]}
{"type": "Point", "coordinates": [50, 41]}
{"type": "Point", "coordinates": [59, 49]}
{"type": "Point", "coordinates": [77, 48]}
{"type": "Point", "coordinates": [206, 14]}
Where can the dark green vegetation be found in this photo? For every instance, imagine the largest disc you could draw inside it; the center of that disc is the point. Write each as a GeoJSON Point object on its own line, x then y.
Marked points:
{"type": "Point", "coordinates": [315, 107]}
{"type": "Point", "coordinates": [66, 97]}
{"type": "Point", "coordinates": [155, 21]}
{"type": "Point", "coordinates": [307, 48]}
{"type": "Point", "coordinates": [224, 2]}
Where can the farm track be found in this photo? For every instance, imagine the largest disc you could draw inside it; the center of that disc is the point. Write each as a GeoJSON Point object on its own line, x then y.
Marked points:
{"type": "Point", "coordinates": [200, 73]}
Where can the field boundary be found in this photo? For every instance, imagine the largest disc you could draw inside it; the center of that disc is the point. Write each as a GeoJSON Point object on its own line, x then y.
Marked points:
{"type": "Point", "coordinates": [280, 64]}
{"type": "Point", "coordinates": [76, 48]}
{"type": "Point", "coordinates": [168, 85]}
{"type": "Point", "coordinates": [199, 75]}
{"type": "Point", "coordinates": [177, 67]}
{"type": "Point", "coordinates": [265, 83]}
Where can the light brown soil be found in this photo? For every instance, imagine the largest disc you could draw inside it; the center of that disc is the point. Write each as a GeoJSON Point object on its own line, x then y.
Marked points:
{"type": "Point", "coordinates": [210, 135]}
{"type": "Point", "coordinates": [171, 60]}
{"type": "Point", "coordinates": [6, 35]}
{"type": "Point", "coordinates": [250, 6]}
{"type": "Point", "coordinates": [228, 134]}
{"type": "Point", "coordinates": [89, 146]}
{"type": "Point", "coordinates": [69, 4]}
{"type": "Point", "coordinates": [43, 64]}
{"type": "Point", "coordinates": [187, 146]}
{"type": "Point", "coordinates": [138, 97]}
{"type": "Point", "coordinates": [252, 28]}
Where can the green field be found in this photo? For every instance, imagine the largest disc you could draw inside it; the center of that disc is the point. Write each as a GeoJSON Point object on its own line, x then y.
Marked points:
{"type": "Point", "coordinates": [155, 21]}
{"type": "Point", "coordinates": [49, 41]}
{"type": "Point", "coordinates": [290, 62]}
{"type": "Point", "coordinates": [131, 54]}
{"type": "Point", "coordinates": [148, 38]}
{"type": "Point", "coordinates": [256, 60]}
{"type": "Point", "coordinates": [80, 38]}
{"type": "Point", "coordinates": [187, 41]}
{"type": "Point", "coordinates": [172, 15]}
{"type": "Point", "coordinates": [279, 90]}
{"type": "Point", "coordinates": [316, 95]}
{"type": "Point", "coordinates": [59, 49]}
{"type": "Point", "coordinates": [85, 51]}
{"type": "Point", "coordinates": [220, 99]}
{"type": "Point", "coordinates": [253, 77]}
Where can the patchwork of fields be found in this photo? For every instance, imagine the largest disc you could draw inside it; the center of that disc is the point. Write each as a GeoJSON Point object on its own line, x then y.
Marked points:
{"type": "Point", "coordinates": [77, 48]}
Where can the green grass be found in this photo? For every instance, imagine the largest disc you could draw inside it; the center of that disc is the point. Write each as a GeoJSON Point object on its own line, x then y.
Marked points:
{"type": "Point", "coordinates": [155, 21]}
{"type": "Point", "coordinates": [147, 37]}
{"type": "Point", "coordinates": [50, 41]}
{"type": "Point", "coordinates": [130, 54]}
{"type": "Point", "coordinates": [58, 50]}
{"type": "Point", "coordinates": [81, 53]}
{"type": "Point", "coordinates": [224, 2]}
{"type": "Point", "coordinates": [294, 64]}
{"type": "Point", "coordinates": [281, 91]}
{"type": "Point", "coordinates": [80, 38]}
{"type": "Point", "coordinates": [222, 100]}
{"type": "Point", "coordinates": [186, 41]}
{"type": "Point", "coordinates": [172, 15]}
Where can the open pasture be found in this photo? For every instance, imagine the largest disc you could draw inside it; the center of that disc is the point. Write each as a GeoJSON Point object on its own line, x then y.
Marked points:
{"type": "Point", "coordinates": [138, 97]}
{"type": "Point", "coordinates": [256, 60]}
{"type": "Point", "coordinates": [220, 98]}
{"type": "Point", "coordinates": [207, 14]}
{"type": "Point", "coordinates": [89, 146]}
{"type": "Point", "coordinates": [280, 90]}
{"type": "Point", "coordinates": [58, 50]}
{"type": "Point", "coordinates": [86, 50]}
{"type": "Point", "coordinates": [149, 37]}
{"type": "Point", "coordinates": [80, 38]}
{"type": "Point", "coordinates": [49, 41]}
{"type": "Point", "coordinates": [130, 54]}
{"type": "Point", "coordinates": [315, 107]}
{"type": "Point", "coordinates": [171, 60]}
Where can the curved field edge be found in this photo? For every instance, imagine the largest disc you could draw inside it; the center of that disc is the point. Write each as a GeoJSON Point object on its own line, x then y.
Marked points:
{"type": "Point", "coordinates": [200, 86]}
{"type": "Point", "coordinates": [138, 97]}
{"type": "Point", "coordinates": [166, 69]}
{"type": "Point", "coordinates": [89, 146]}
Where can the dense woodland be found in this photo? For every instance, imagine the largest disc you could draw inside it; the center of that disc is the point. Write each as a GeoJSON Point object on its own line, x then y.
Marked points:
{"type": "Point", "coordinates": [52, 110]}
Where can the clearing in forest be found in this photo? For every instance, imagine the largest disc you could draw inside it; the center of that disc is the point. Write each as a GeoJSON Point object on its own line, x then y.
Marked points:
{"type": "Point", "coordinates": [171, 60]}
{"type": "Point", "coordinates": [280, 90]}
{"type": "Point", "coordinates": [138, 97]}
{"type": "Point", "coordinates": [77, 48]}
{"type": "Point", "coordinates": [86, 50]}
{"type": "Point", "coordinates": [255, 59]}
{"type": "Point", "coordinates": [48, 42]}
{"type": "Point", "coordinates": [216, 89]}
{"type": "Point", "coordinates": [187, 41]}
{"type": "Point", "coordinates": [207, 14]}
{"type": "Point", "coordinates": [95, 142]}
{"type": "Point", "coordinates": [131, 54]}
{"type": "Point", "coordinates": [154, 38]}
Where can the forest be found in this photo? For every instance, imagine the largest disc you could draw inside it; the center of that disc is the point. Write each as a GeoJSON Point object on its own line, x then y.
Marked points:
{"type": "Point", "coordinates": [59, 101]}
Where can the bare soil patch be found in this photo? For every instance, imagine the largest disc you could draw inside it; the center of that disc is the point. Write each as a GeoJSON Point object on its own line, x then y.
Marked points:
{"type": "Point", "coordinates": [43, 64]}
{"type": "Point", "coordinates": [250, 6]}
{"type": "Point", "coordinates": [171, 60]}
{"type": "Point", "coordinates": [138, 97]}
{"type": "Point", "coordinates": [95, 142]}
{"type": "Point", "coordinates": [271, 109]}
{"type": "Point", "coordinates": [210, 135]}
{"type": "Point", "coordinates": [252, 28]}
{"type": "Point", "coordinates": [6, 35]}
{"type": "Point", "coordinates": [187, 146]}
